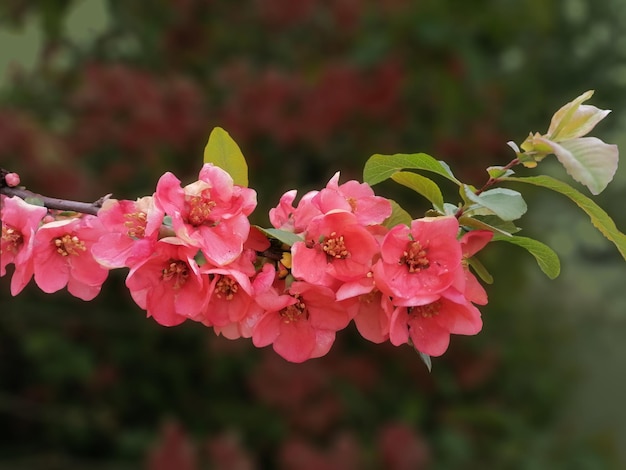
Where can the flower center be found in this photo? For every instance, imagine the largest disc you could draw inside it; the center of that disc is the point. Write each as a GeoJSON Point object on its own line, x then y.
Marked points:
{"type": "Point", "coordinates": [136, 224]}
{"type": "Point", "coordinates": [200, 208]}
{"type": "Point", "coordinates": [335, 247]}
{"type": "Point", "coordinates": [69, 245]}
{"type": "Point", "coordinates": [294, 312]}
{"type": "Point", "coordinates": [12, 238]}
{"type": "Point", "coordinates": [176, 270]}
{"type": "Point", "coordinates": [415, 257]}
{"type": "Point", "coordinates": [352, 202]}
{"type": "Point", "coordinates": [226, 288]}
{"type": "Point", "coordinates": [426, 311]}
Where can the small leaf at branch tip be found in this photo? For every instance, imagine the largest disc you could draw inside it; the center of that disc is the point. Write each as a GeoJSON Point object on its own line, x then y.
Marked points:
{"type": "Point", "coordinates": [514, 146]}
{"type": "Point", "coordinates": [222, 151]}
{"type": "Point", "coordinates": [496, 172]}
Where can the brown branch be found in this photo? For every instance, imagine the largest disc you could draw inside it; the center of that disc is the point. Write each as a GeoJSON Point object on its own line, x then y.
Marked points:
{"type": "Point", "coordinates": [51, 202]}
{"type": "Point", "coordinates": [275, 251]}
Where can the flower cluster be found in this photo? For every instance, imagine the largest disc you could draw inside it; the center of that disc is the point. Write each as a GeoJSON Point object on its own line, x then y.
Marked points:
{"type": "Point", "coordinates": [193, 255]}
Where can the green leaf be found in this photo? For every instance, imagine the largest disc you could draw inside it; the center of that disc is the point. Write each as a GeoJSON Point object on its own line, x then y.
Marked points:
{"type": "Point", "coordinates": [421, 185]}
{"type": "Point", "coordinates": [398, 216]}
{"type": "Point", "coordinates": [496, 172]}
{"type": "Point", "coordinates": [505, 203]}
{"type": "Point", "coordinates": [288, 238]}
{"type": "Point", "coordinates": [599, 218]}
{"type": "Point", "coordinates": [546, 258]}
{"type": "Point", "coordinates": [221, 150]}
{"type": "Point", "coordinates": [381, 167]}
{"type": "Point", "coordinates": [489, 222]}
{"type": "Point", "coordinates": [479, 268]}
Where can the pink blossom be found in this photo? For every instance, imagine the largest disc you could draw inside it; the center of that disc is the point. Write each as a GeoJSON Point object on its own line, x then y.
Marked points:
{"type": "Point", "coordinates": [301, 323]}
{"type": "Point", "coordinates": [372, 318]}
{"type": "Point", "coordinates": [355, 197]}
{"type": "Point", "coordinates": [428, 326]}
{"type": "Point", "coordinates": [62, 256]}
{"type": "Point", "coordinates": [133, 230]}
{"type": "Point", "coordinates": [336, 248]}
{"type": "Point", "coordinates": [294, 219]}
{"type": "Point", "coordinates": [374, 308]}
{"type": "Point", "coordinates": [12, 180]}
{"type": "Point", "coordinates": [211, 213]}
{"type": "Point", "coordinates": [231, 301]}
{"type": "Point", "coordinates": [19, 220]}
{"type": "Point", "coordinates": [471, 243]}
{"type": "Point", "coordinates": [169, 284]}
{"type": "Point", "coordinates": [419, 262]}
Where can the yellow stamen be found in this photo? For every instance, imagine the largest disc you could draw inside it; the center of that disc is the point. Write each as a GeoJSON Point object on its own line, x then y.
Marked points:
{"type": "Point", "coordinates": [12, 238]}
{"type": "Point", "coordinates": [176, 270]}
{"type": "Point", "coordinates": [200, 208]}
{"type": "Point", "coordinates": [294, 312]}
{"type": "Point", "coordinates": [335, 247]}
{"type": "Point", "coordinates": [69, 245]}
{"type": "Point", "coordinates": [136, 224]}
{"type": "Point", "coordinates": [226, 288]}
{"type": "Point", "coordinates": [426, 311]}
{"type": "Point", "coordinates": [415, 257]}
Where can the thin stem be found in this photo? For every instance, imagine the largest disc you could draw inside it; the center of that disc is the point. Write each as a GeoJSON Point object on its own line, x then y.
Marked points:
{"type": "Point", "coordinates": [490, 182]}
{"type": "Point", "coordinates": [57, 204]}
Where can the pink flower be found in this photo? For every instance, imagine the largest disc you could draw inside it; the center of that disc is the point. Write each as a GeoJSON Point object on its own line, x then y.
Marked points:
{"type": "Point", "coordinates": [354, 197]}
{"type": "Point", "coordinates": [471, 243]}
{"type": "Point", "coordinates": [19, 220]}
{"type": "Point", "coordinates": [336, 248]}
{"type": "Point", "coordinates": [62, 256]}
{"type": "Point", "coordinates": [211, 213]}
{"type": "Point", "coordinates": [301, 323]}
{"type": "Point", "coordinates": [12, 180]}
{"type": "Point", "coordinates": [231, 302]}
{"type": "Point", "coordinates": [429, 326]}
{"type": "Point", "coordinates": [286, 217]}
{"type": "Point", "coordinates": [418, 263]}
{"type": "Point", "coordinates": [374, 308]}
{"type": "Point", "coordinates": [372, 319]}
{"type": "Point", "coordinates": [169, 284]}
{"type": "Point", "coordinates": [133, 230]}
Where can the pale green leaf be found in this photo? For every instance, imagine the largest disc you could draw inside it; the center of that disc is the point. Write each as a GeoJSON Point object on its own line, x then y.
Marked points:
{"type": "Point", "coordinates": [398, 216]}
{"type": "Point", "coordinates": [505, 203]}
{"type": "Point", "coordinates": [599, 218]}
{"type": "Point", "coordinates": [546, 258]}
{"type": "Point", "coordinates": [575, 119]}
{"type": "Point", "coordinates": [381, 167]}
{"type": "Point", "coordinates": [222, 151]}
{"type": "Point", "coordinates": [588, 160]}
{"type": "Point", "coordinates": [426, 360]}
{"type": "Point", "coordinates": [421, 185]}
{"type": "Point", "coordinates": [496, 172]}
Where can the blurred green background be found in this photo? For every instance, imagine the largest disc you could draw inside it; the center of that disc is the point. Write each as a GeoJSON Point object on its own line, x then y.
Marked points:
{"type": "Point", "coordinates": [102, 96]}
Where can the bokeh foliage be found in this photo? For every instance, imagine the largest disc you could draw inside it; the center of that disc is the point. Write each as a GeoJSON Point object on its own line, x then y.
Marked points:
{"type": "Point", "coordinates": [119, 92]}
